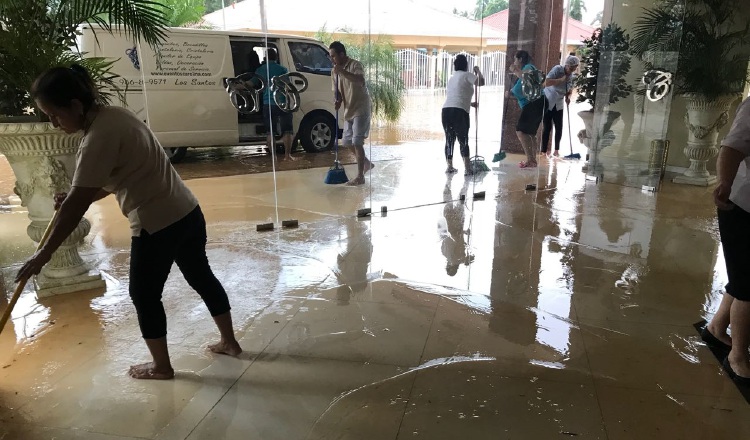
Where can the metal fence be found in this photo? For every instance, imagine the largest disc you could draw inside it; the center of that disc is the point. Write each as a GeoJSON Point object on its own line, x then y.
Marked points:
{"type": "Point", "coordinates": [421, 71]}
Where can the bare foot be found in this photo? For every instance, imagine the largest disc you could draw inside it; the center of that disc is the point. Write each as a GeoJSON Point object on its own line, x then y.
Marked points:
{"type": "Point", "coordinates": [556, 153]}
{"type": "Point", "coordinates": [740, 367]}
{"type": "Point", "coordinates": [290, 158]}
{"type": "Point", "coordinates": [450, 170]}
{"type": "Point", "coordinates": [722, 336]}
{"type": "Point", "coordinates": [147, 371]}
{"type": "Point", "coordinates": [356, 181]}
{"type": "Point", "coordinates": [229, 348]}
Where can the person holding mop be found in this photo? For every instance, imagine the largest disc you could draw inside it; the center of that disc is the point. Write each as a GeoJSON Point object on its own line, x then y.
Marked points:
{"type": "Point", "coordinates": [455, 113]}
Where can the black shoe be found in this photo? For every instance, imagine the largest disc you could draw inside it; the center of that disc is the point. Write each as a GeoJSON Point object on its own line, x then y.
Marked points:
{"type": "Point", "coordinates": [713, 341]}
{"type": "Point", "coordinates": [743, 381]}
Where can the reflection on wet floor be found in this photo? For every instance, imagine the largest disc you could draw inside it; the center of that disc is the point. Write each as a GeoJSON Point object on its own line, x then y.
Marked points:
{"type": "Point", "coordinates": [556, 313]}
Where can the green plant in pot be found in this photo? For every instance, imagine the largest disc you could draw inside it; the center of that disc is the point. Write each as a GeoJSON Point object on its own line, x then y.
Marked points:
{"type": "Point", "coordinates": [36, 35]}
{"type": "Point", "coordinates": [713, 48]}
{"type": "Point", "coordinates": [605, 61]}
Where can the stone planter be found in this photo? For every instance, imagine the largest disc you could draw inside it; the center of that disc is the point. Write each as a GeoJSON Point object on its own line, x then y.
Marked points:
{"type": "Point", "coordinates": [593, 140]}
{"type": "Point", "coordinates": [43, 161]}
{"type": "Point", "coordinates": [704, 118]}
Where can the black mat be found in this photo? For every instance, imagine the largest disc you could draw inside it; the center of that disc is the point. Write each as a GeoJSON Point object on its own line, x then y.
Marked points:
{"type": "Point", "coordinates": [720, 354]}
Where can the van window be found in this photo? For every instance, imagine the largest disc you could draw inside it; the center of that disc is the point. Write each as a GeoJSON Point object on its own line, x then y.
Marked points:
{"type": "Point", "coordinates": [248, 55]}
{"type": "Point", "coordinates": [310, 58]}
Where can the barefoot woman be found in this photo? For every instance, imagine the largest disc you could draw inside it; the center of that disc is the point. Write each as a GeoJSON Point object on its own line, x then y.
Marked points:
{"type": "Point", "coordinates": [120, 155]}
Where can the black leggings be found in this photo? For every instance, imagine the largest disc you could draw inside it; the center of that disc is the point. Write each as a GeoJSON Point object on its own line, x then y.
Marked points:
{"type": "Point", "coordinates": [456, 126]}
{"type": "Point", "coordinates": [151, 258]}
{"type": "Point", "coordinates": [551, 116]}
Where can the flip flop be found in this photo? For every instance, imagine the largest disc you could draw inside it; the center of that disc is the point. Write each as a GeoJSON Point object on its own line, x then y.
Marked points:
{"type": "Point", "coordinates": [741, 380]}
{"type": "Point", "coordinates": [713, 341]}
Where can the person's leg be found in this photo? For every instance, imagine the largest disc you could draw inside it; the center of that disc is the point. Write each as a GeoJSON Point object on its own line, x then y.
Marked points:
{"type": "Point", "coordinates": [547, 121]}
{"type": "Point", "coordinates": [150, 262]}
{"type": "Point", "coordinates": [720, 322]}
{"type": "Point", "coordinates": [529, 146]}
{"type": "Point", "coordinates": [739, 359]}
{"type": "Point", "coordinates": [287, 127]}
{"type": "Point", "coordinates": [558, 115]}
{"type": "Point", "coordinates": [193, 263]}
{"type": "Point", "coordinates": [450, 139]}
{"type": "Point", "coordinates": [463, 122]}
{"type": "Point", "coordinates": [734, 238]}
{"type": "Point", "coordinates": [360, 130]}
{"type": "Point", "coordinates": [267, 121]}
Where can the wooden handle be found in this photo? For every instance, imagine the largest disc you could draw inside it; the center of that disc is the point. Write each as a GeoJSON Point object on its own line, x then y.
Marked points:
{"type": "Point", "coordinates": [22, 283]}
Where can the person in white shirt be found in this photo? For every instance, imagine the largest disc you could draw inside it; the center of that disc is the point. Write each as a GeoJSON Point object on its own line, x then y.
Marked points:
{"type": "Point", "coordinates": [120, 155]}
{"type": "Point", "coordinates": [732, 199]}
{"type": "Point", "coordinates": [557, 91]}
{"type": "Point", "coordinates": [455, 113]}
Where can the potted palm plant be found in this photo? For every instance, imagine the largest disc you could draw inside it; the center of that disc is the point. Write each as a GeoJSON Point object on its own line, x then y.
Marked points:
{"type": "Point", "coordinates": [711, 69]}
{"type": "Point", "coordinates": [36, 35]}
{"type": "Point", "coordinates": [605, 61]}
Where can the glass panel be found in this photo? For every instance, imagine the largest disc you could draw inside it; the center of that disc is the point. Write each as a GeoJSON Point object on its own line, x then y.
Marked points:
{"type": "Point", "coordinates": [631, 96]}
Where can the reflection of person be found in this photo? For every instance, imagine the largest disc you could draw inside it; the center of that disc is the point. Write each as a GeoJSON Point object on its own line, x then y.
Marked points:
{"type": "Point", "coordinates": [455, 113]}
{"type": "Point", "coordinates": [272, 114]}
{"type": "Point", "coordinates": [531, 112]}
{"type": "Point", "coordinates": [351, 92]}
{"type": "Point", "coordinates": [453, 237]}
{"type": "Point", "coordinates": [253, 61]}
{"type": "Point", "coordinates": [119, 154]}
{"type": "Point", "coordinates": [352, 264]}
{"type": "Point", "coordinates": [732, 198]}
{"type": "Point", "coordinates": [558, 88]}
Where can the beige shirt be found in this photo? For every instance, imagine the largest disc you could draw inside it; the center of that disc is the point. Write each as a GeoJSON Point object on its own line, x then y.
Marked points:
{"type": "Point", "coordinates": [120, 154]}
{"type": "Point", "coordinates": [355, 97]}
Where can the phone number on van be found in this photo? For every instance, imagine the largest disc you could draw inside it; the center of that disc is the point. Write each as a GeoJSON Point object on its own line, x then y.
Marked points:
{"type": "Point", "coordinates": [177, 82]}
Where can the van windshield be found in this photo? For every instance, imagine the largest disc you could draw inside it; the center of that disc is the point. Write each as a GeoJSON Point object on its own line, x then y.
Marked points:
{"type": "Point", "coordinates": [310, 58]}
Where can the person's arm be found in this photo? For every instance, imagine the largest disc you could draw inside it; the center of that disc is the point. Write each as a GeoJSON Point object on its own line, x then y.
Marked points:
{"type": "Point", "coordinates": [357, 77]}
{"type": "Point", "coordinates": [70, 213]}
{"type": "Point", "coordinates": [727, 164]}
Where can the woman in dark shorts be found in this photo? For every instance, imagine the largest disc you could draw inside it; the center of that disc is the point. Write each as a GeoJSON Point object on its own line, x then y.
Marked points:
{"type": "Point", "coordinates": [531, 111]}
{"type": "Point", "coordinates": [732, 199]}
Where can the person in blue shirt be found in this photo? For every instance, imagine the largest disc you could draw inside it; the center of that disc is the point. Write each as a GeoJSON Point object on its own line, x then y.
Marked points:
{"type": "Point", "coordinates": [531, 111]}
{"type": "Point", "coordinates": [273, 116]}
{"type": "Point", "coordinates": [558, 87]}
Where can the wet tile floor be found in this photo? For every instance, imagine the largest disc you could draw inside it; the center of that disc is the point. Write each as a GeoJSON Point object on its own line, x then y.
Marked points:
{"type": "Point", "coordinates": [565, 312]}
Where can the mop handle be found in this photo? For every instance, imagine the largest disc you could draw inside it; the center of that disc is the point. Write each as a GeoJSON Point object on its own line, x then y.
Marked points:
{"type": "Point", "coordinates": [336, 133]}
{"type": "Point", "coordinates": [22, 283]}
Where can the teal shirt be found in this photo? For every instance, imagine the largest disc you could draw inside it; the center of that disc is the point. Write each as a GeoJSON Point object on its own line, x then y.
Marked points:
{"type": "Point", "coordinates": [517, 89]}
{"type": "Point", "coordinates": [266, 71]}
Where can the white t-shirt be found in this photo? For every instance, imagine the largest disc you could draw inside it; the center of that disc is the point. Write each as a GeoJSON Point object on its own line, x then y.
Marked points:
{"type": "Point", "coordinates": [460, 90]}
{"type": "Point", "coordinates": [120, 154]}
{"type": "Point", "coordinates": [556, 94]}
{"type": "Point", "coordinates": [739, 139]}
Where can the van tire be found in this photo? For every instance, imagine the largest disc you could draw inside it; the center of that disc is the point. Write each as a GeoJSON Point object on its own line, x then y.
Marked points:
{"type": "Point", "coordinates": [176, 155]}
{"type": "Point", "coordinates": [317, 133]}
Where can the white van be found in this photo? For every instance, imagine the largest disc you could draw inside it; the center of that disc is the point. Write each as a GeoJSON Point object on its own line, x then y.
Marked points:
{"type": "Point", "coordinates": [183, 98]}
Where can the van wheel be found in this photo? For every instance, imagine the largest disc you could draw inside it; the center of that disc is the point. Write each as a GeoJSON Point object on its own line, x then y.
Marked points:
{"type": "Point", "coordinates": [317, 133]}
{"type": "Point", "coordinates": [176, 155]}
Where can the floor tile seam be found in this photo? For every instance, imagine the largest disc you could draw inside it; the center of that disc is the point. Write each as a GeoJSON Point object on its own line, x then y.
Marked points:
{"type": "Point", "coordinates": [228, 389]}
{"type": "Point", "coordinates": [414, 379]}
{"type": "Point", "coordinates": [334, 359]}
{"type": "Point", "coordinates": [74, 429]}
{"type": "Point", "coordinates": [591, 372]}
{"type": "Point", "coordinates": [600, 382]}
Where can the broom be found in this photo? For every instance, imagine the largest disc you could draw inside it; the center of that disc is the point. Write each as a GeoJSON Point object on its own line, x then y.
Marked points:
{"type": "Point", "coordinates": [22, 283]}
{"type": "Point", "coordinates": [477, 162]}
{"type": "Point", "coordinates": [336, 174]}
{"type": "Point", "coordinates": [570, 138]}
